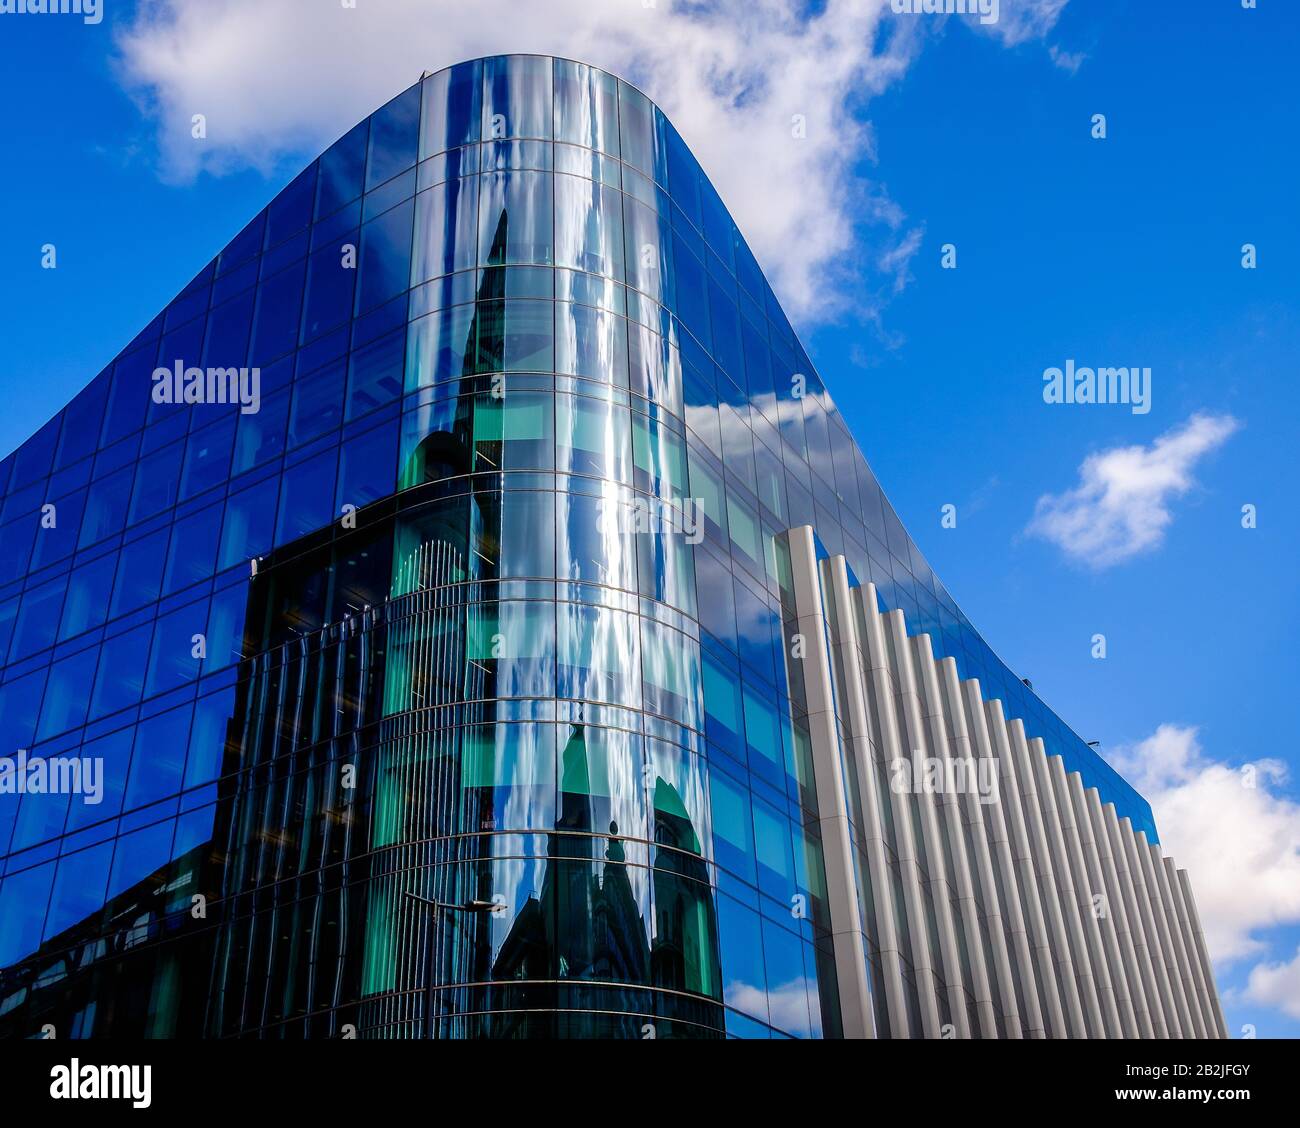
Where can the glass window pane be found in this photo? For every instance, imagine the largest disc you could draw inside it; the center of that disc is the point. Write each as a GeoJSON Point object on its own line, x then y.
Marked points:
{"type": "Point", "coordinates": [586, 107]}
{"type": "Point", "coordinates": [516, 218]}
{"type": "Point", "coordinates": [510, 650]}
{"type": "Point", "coordinates": [508, 776]}
{"type": "Point", "coordinates": [591, 343]}
{"type": "Point", "coordinates": [598, 658]}
{"type": "Point", "coordinates": [440, 347]}
{"type": "Point", "coordinates": [207, 457]}
{"type": "Point", "coordinates": [341, 169]}
{"type": "Point", "coordinates": [307, 497]}
{"type": "Point", "coordinates": [120, 679]}
{"type": "Point", "coordinates": [331, 278]}
{"type": "Point", "coordinates": [733, 828]}
{"type": "Point", "coordinates": [158, 760]}
{"type": "Point", "coordinates": [78, 888]}
{"type": "Point", "coordinates": [140, 575]}
{"type": "Point", "coordinates": [446, 229]}
{"type": "Point", "coordinates": [744, 977]}
{"type": "Point", "coordinates": [24, 898]}
{"type": "Point", "coordinates": [193, 547]}
{"type": "Point", "coordinates": [602, 786]}
{"type": "Point", "coordinates": [787, 981]}
{"type": "Point", "coordinates": [517, 97]}
{"type": "Point", "coordinates": [86, 604]}
{"type": "Point", "coordinates": [680, 804]}
{"type": "Point", "coordinates": [452, 108]}
{"type": "Point", "coordinates": [593, 437]}
{"type": "Point", "coordinates": [723, 721]}
{"type": "Point", "coordinates": [247, 530]}
{"type": "Point", "coordinates": [385, 257]}
{"type": "Point", "coordinates": [367, 468]}
{"type": "Point", "coordinates": [275, 324]}
{"type": "Point", "coordinates": [394, 137]}
{"type": "Point", "coordinates": [595, 540]}
{"type": "Point", "coordinates": [38, 619]}
{"type": "Point", "coordinates": [375, 375]}
{"type": "Point", "coordinates": [588, 226]}
{"type": "Point", "coordinates": [670, 664]}
{"type": "Point", "coordinates": [66, 700]}
{"type": "Point", "coordinates": [317, 403]}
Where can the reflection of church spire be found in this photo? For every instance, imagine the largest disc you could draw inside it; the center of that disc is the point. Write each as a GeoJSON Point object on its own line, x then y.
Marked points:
{"type": "Point", "coordinates": [587, 915]}
{"type": "Point", "coordinates": [589, 910]}
{"type": "Point", "coordinates": [485, 349]}
{"type": "Point", "coordinates": [449, 453]}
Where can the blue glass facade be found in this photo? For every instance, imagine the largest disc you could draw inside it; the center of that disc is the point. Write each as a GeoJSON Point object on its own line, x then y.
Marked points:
{"type": "Point", "coordinates": [435, 620]}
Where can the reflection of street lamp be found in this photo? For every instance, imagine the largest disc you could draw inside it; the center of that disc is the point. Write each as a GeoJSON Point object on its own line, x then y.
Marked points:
{"type": "Point", "coordinates": [434, 908]}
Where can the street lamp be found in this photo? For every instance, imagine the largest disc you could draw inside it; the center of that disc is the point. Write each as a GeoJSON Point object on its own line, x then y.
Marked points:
{"type": "Point", "coordinates": [434, 907]}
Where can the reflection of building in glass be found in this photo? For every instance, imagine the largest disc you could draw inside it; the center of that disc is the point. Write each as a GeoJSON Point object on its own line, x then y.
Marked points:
{"type": "Point", "coordinates": [399, 634]}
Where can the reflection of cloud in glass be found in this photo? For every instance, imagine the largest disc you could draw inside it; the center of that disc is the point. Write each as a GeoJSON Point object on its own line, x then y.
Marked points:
{"type": "Point", "coordinates": [787, 1005]}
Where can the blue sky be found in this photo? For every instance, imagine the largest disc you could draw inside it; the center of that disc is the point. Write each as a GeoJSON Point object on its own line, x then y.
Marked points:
{"type": "Point", "coordinates": [1123, 251]}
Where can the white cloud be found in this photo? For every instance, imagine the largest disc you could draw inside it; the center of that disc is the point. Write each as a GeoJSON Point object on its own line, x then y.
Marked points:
{"type": "Point", "coordinates": [896, 260]}
{"type": "Point", "coordinates": [1233, 831]}
{"type": "Point", "coordinates": [1022, 20]}
{"type": "Point", "coordinates": [1067, 60]}
{"type": "Point", "coordinates": [1276, 985]}
{"type": "Point", "coordinates": [1121, 506]}
{"type": "Point", "coordinates": [277, 82]}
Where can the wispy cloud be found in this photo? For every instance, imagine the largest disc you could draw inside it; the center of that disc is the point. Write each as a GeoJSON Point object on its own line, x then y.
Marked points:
{"type": "Point", "coordinates": [1234, 832]}
{"type": "Point", "coordinates": [1023, 20]}
{"type": "Point", "coordinates": [896, 260]}
{"type": "Point", "coordinates": [1120, 508]}
{"type": "Point", "coordinates": [1069, 61]}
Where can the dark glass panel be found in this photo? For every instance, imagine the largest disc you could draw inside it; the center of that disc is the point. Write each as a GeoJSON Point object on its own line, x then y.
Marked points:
{"type": "Point", "coordinates": [331, 279]}
{"type": "Point", "coordinates": [306, 497]}
{"type": "Point", "coordinates": [290, 212]}
{"type": "Point", "coordinates": [375, 375]}
{"type": "Point", "coordinates": [82, 420]}
{"type": "Point", "coordinates": [140, 575]}
{"type": "Point", "coordinates": [66, 699]}
{"type": "Point", "coordinates": [385, 257]}
{"type": "Point", "coordinates": [193, 546]}
{"type": "Point", "coordinates": [87, 602]}
{"type": "Point", "coordinates": [341, 169]}
{"type": "Point", "coordinates": [120, 678]}
{"type": "Point", "coordinates": [394, 137]}
{"type": "Point", "coordinates": [367, 467]}
{"type": "Point", "coordinates": [275, 326]}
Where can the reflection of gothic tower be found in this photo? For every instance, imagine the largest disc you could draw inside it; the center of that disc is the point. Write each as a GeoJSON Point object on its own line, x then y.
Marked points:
{"type": "Point", "coordinates": [587, 904]}
{"type": "Point", "coordinates": [686, 927]}
{"type": "Point", "coordinates": [598, 930]}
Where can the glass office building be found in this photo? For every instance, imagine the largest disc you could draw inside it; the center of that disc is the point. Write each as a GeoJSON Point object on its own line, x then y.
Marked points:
{"type": "Point", "coordinates": [448, 679]}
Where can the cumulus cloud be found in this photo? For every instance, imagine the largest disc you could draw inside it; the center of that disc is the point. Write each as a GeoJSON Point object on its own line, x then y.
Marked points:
{"type": "Point", "coordinates": [277, 82]}
{"type": "Point", "coordinates": [1234, 832]}
{"type": "Point", "coordinates": [1276, 985]}
{"type": "Point", "coordinates": [1120, 509]}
